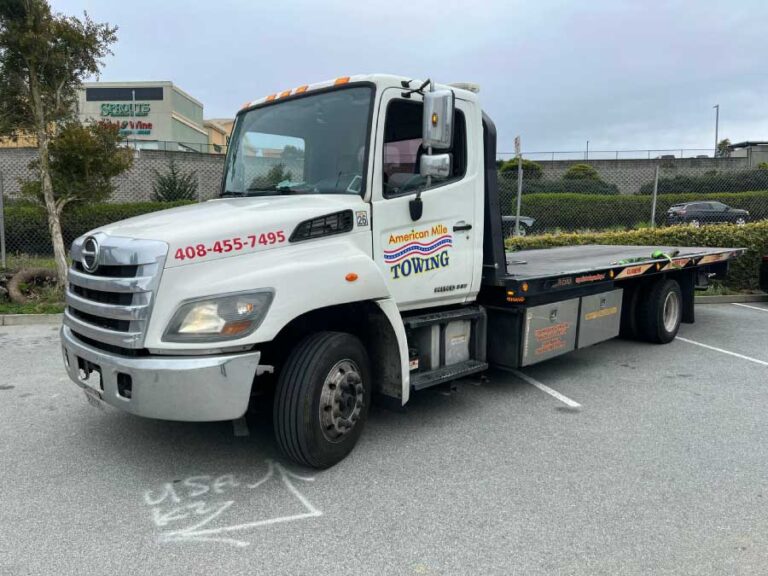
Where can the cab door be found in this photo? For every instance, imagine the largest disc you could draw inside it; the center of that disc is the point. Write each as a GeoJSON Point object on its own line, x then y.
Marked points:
{"type": "Point", "coordinates": [431, 261]}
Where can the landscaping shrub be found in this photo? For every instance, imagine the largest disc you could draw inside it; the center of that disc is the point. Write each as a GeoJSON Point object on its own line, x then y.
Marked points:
{"type": "Point", "coordinates": [743, 271]}
{"type": "Point", "coordinates": [572, 212]}
{"type": "Point", "coordinates": [531, 169]}
{"type": "Point", "coordinates": [26, 225]}
{"type": "Point", "coordinates": [581, 172]}
{"type": "Point", "coordinates": [748, 180]}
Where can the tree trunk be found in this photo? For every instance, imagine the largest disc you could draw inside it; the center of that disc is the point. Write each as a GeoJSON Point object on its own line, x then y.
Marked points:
{"type": "Point", "coordinates": [54, 214]}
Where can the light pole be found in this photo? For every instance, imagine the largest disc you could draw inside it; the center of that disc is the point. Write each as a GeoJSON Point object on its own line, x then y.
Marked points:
{"type": "Point", "coordinates": [717, 124]}
{"type": "Point", "coordinates": [586, 154]}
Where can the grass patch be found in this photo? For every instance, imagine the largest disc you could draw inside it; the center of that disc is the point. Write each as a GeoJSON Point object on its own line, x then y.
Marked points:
{"type": "Point", "coordinates": [19, 261]}
{"type": "Point", "coordinates": [32, 308]}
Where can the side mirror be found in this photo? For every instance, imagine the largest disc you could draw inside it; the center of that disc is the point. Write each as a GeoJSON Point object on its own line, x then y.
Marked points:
{"type": "Point", "coordinates": [436, 165]}
{"type": "Point", "coordinates": [437, 125]}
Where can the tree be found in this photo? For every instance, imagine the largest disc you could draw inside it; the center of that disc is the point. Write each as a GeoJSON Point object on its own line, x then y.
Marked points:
{"type": "Point", "coordinates": [82, 160]}
{"type": "Point", "coordinates": [174, 185]}
{"type": "Point", "coordinates": [723, 148]}
{"type": "Point", "coordinates": [44, 57]}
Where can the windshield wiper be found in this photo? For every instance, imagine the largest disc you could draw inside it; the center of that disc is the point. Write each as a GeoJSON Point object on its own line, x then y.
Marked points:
{"type": "Point", "coordinates": [230, 193]}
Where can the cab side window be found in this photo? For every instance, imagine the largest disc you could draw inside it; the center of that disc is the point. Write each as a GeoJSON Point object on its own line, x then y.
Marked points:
{"type": "Point", "coordinates": [403, 150]}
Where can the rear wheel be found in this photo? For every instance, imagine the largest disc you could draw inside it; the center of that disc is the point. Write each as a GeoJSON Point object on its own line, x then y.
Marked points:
{"type": "Point", "coordinates": [629, 326]}
{"type": "Point", "coordinates": [322, 399]}
{"type": "Point", "coordinates": [740, 221]}
{"type": "Point", "coordinates": [660, 312]}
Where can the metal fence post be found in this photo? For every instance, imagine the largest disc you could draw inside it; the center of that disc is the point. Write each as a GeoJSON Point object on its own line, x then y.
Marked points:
{"type": "Point", "coordinates": [653, 201]}
{"type": "Point", "coordinates": [519, 193]}
{"type": "Point", "coordinates": [3, 263]}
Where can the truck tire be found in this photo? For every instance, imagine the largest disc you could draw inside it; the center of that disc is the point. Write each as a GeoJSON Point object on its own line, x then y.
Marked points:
{"type": "Point", "coordinates": [660, 311]}
{"type": "Point", "coordinates": [322, 398]}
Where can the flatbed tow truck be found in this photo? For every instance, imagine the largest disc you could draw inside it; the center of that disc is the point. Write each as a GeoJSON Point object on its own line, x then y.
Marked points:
{"type": "Point", "coordinates": [356, 251]}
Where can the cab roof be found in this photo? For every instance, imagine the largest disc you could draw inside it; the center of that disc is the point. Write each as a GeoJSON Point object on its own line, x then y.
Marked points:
{"type": "Point", "coordinates": [381, 81]}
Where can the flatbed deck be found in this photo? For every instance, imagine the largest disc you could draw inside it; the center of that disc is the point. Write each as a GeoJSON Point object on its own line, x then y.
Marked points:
{"type": "Point", "coordinates": [543, 275]}
{"type": "Point", "coordinates": [525, 265]}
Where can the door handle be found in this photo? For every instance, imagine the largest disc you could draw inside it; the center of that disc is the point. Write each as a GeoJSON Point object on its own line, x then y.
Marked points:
{"type": "Point", "coordinates": [461, 226]}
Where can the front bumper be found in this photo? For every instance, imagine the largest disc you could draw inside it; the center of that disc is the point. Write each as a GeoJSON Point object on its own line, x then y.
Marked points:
{"type": "Point", "coordinates": [184, 388]}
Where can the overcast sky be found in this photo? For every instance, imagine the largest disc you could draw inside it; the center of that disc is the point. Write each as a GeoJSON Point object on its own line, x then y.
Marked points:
{"type": "Point", "coordinates": [621, 74]}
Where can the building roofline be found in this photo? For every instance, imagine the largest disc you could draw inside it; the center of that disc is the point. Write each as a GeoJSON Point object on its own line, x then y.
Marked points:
{"type": "Point", "coordinates": [748, 143]}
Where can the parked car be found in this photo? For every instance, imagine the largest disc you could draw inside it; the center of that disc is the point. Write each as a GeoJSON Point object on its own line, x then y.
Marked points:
{"type": "Point", "coordinates": [764, 274]}
{"type": "Point", "coordinates": [526, 223]}
{"type": "Point", "coordinates": [698, 213]}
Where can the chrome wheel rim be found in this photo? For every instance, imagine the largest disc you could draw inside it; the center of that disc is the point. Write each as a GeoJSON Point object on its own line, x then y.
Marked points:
{"type": "Point", "coordinates": [695, 223]}
{"type": "Point", "coordinates": [671, 311]}
{"type": "Point", "coordinates": [341, 400]}
{"type": "Point", "coordinates": [740, 222]}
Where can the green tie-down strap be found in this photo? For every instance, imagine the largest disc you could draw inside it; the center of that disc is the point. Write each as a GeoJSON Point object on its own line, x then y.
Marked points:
{"type": "Point", "coordinates": [656, 255]}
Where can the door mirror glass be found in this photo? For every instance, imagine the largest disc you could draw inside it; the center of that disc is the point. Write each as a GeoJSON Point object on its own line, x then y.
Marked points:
{"type": "Point", "coordinates": [437, 126]}
{"type": "Point", "coordinates": [437, 165]}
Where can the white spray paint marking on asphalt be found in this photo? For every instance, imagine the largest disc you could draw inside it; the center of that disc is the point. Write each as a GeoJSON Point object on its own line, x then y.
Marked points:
{"type": "Point", "coordinates": [184, 513]}
{"type": "Point", "coordinates": [544, 388]}
{"type": "Point", "coordinates": [737, 355]}
{"type": "Point", "coordinates": [750, 307]}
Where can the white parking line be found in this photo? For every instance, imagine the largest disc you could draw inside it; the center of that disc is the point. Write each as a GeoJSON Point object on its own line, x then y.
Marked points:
{"type": "Point", "coordinates": [547, 389]}
{"type": "Point", "coordinates": [750, 307]}
{"type": "Point", "coordinates": [749, 358]}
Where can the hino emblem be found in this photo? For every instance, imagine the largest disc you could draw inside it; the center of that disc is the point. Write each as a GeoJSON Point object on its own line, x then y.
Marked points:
{"type": "Point", "coordinates": [90, 254]}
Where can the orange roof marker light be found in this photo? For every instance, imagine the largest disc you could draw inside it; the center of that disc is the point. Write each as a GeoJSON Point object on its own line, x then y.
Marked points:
{"type": "Point", "coordinates": [301, 89]}
{"type": "Point", "coordinates": [244, 106]}
{"type": "Point", "coordinates": [341, 80]}
{"type": "Point", "coordinates": [351, 277]}
{"type": "Point", "coordinates": [285, 93]}
{"type": "Point", "coordinates": [271, 97]}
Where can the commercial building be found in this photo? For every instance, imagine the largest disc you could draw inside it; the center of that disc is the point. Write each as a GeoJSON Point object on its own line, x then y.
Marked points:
{"type": "Point", "coordinates": [151, 115]}
{"type": "Point", "coordinates": [755, 151]}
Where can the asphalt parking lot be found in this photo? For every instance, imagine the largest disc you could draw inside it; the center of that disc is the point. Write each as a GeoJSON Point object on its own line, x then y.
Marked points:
{"type": "Point", "coordinates": [646, 460]}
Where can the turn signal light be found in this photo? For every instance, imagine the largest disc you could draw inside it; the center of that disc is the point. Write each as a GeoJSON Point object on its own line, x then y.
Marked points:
{"type": "Point", "coordinates": [351, 277]}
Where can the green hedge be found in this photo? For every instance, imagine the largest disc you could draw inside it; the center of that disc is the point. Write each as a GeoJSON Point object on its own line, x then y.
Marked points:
{"type": "Point", "coordinates": [743, 272]}
{"type": "Point", "coordinates": [508, 185]}
{"type": "Point", "coordinates": [591, 211]}
{"type": "Point", "coordinates": [26, 225]}
{"type": "Point", "coordinates": [720, 182]}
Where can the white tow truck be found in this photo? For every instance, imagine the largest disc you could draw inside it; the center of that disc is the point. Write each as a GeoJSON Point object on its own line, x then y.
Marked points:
{"type": "Point", "coordinates": [356, 251]}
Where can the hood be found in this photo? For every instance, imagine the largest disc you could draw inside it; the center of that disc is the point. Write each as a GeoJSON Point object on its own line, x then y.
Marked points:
{"type": "Point", "coordinates": [233, 226]}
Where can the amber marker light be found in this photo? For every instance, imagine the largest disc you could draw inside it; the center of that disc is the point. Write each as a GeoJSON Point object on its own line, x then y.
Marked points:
{"type": "Point", "coordinates": [434, 118]}
{"type": "Point", "coordinates": [351, 277]}
{"type": "Point", "coordinates": [341, 80]}
{"type": "Point", "coordinates": [524, 286]}
{"type": "Point", "coordinates": [271, 97]}
{"type": "Point", "coordinates": [285, 93]}
{"type": "Point", "coordinates": [301, 89]}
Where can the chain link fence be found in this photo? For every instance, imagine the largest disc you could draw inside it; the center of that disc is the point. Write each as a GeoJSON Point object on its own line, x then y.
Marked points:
{"type": "Point", "coordinates": [600, 195]}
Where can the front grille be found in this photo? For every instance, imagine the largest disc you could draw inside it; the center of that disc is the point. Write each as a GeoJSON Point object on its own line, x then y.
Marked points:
{"type": "Point", "coordinates": [119, 350]}
{"type": "Point", "coordinates": [121, 298]}
{"type": "Point", "coordinates": [111, 306]}
{"type": "Point", "coordinates": [108, 323]}
{"type": "Point", "coordinates": [111, 271]}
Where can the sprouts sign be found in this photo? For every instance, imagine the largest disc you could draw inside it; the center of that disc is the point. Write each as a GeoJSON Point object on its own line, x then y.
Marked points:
{"type": "Point", "coordinates": [132, 127]}
{"type": "Point", "coordinates": [124, 110]}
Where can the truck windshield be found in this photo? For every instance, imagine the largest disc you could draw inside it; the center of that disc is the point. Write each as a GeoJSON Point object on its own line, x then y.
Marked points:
{"type": "Point", "coordinates": [316, 144]}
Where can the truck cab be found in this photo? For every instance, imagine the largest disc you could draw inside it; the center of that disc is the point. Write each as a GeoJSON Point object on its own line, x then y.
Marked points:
{"type": "Point", "coordinates": [355, 251]}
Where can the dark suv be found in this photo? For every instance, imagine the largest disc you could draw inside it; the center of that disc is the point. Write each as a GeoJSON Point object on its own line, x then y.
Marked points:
{"type": "Point", "coordinates": [698, 213]}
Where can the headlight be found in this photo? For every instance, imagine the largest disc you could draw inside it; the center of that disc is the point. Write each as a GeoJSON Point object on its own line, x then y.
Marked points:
{"type": "Point", "coordinates": [217, 318]}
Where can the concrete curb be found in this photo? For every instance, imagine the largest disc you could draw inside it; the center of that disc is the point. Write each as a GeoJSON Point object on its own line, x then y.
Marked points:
{"type": "Point", "coordinates": [731, 299]}
{"type": "Point", "coordinates": [29, 319]}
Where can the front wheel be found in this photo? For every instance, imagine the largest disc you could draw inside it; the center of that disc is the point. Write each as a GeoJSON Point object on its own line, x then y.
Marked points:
{"type": "Point", "coordinates": [322, 399]}
{"type": "Point", "coordinates": [741, 221]}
